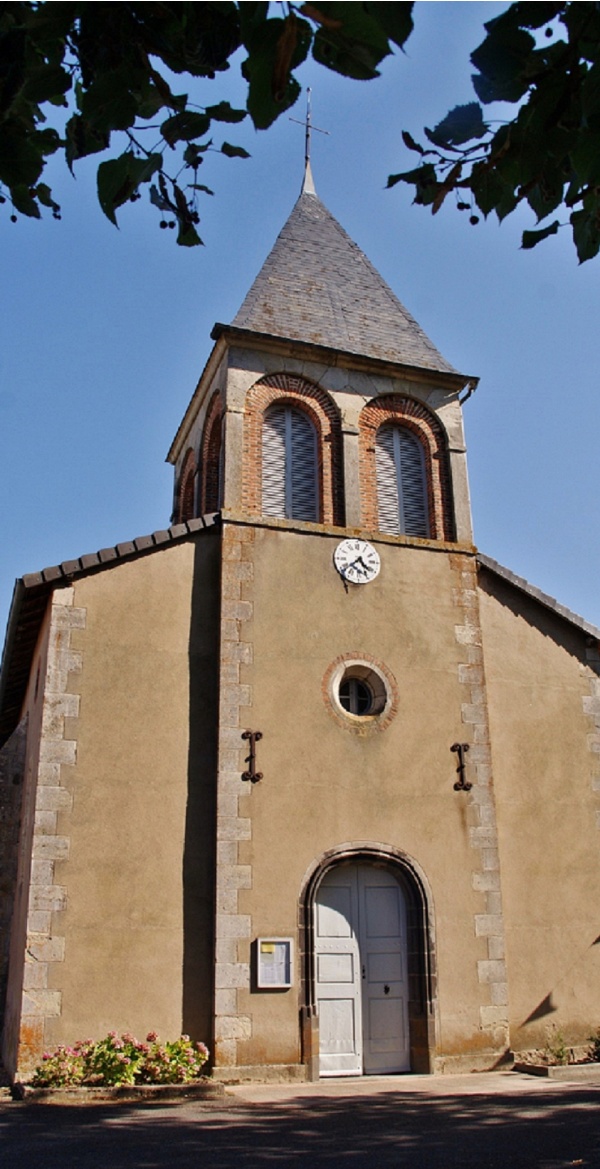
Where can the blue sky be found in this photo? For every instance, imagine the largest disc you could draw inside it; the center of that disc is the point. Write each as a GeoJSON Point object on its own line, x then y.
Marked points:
{"type": "Point", "coordinates": [103, 333]}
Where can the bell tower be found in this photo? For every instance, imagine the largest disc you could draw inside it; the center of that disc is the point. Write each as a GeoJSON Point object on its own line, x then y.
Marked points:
{"type": "Point", "coordinates": [318, 306]}
{"type": "Point", "coordinates": [326, 430]}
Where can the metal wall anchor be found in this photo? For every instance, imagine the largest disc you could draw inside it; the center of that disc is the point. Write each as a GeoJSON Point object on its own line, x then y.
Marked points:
{"type": "Point", "coordinates": [461, 785]}
{"type": "Point", "coordinates": [252, 774]}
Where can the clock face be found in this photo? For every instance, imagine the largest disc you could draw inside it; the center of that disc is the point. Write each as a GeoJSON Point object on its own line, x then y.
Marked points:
{"type": "Point", "coordinates": [357, 561]}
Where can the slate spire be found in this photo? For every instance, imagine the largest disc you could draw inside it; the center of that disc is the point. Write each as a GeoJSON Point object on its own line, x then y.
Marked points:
{"type": "Point", "coordinates": [317, 286]}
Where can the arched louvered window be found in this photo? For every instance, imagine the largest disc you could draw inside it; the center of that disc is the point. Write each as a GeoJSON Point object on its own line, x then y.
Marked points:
{"type": "Point", "coordinates": [289, 464]}
{"type": "Point", "coordinates": [187, 486]}
{"type": "Point", "coordinates": [401, 482]}
{"type": "Point", "coordinates": [212, 478]}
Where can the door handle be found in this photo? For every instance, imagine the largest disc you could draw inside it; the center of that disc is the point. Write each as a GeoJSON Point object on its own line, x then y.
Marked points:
{"type": "Point", "coordinates": [364, 973]}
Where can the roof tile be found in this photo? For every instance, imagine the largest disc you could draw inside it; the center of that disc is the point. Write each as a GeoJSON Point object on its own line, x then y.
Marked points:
{"type": "Point", "coordinates": [317, 286]}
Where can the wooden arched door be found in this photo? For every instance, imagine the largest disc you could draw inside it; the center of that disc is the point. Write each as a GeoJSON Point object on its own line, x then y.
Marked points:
{"type": "Point", "coordinates": [361, 972]}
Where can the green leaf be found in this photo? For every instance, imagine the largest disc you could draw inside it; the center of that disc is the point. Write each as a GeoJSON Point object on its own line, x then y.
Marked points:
{"type": "Point", "coordinates": [493, 191]}
{"type": "Point", "coordinates": [45, 83]}
{"type": "Point", "coordinates": [585, 158]}
{"type": "Point", "coordinates": [448, 185]}
{"type": "Point", "coordinates": [223, 112]}
{"type": "Point", "coordinates": [21, 157]}
{"type": "Point", "coordinates": [252, 17]}
{"type": "Point", "coordinates": [590, 92]}
{"type": "Point", "coordinates": [573, 193]}
{"type": "Point", "coordinates": [44, 196]}
{"type": "Point", "coordinates": [188, 237]}
{"type": "Point", "coordinates": [120, 177]}
{"type": "Point", "coordinates": [501, 60]}
{"type": "Point", "coordinates": [234, 151]}
{"type": "Point", "coordinates": [531, 238]}
{"type": "Point", "coordinates": [586, 233]}
{"type": "Point", "coordinates": [46, 141]}
{"type": "Point", "coordinates": [192, 155]}
{"type": "Point", "coordinates": [184, 127]}
{"type": "Point", "coordinates": [24, 202]}
{"type": "Point", "coordinates": [352, 40]}
{"type": "Point", "coordinates": [108, 103]}
{"type": "Point", "coordinates": [425, 181]}
{"type": "Point", "coordinates": [526, 14]}
{"type": "Point", "coordinates": [395, 19]}
{"type": "Point", "coordinates": [150, 104]}
{"type": "Point", "coordinates": [461, 125]}
{"type": "Point", "coordinates": [409, 141]}
{"type": "Point", "coordinates": [272, 55]}
{"type": "Point", "coordinates": [81, 139]}
{"type": "Point", "coordinates": [201, 187]}
{"type": "Point", "coordinates": [412, 176]}
{"type": "Point", "coordinates": [504, 52]}
{"type": "Point", "coordinates": [189, 38]}
{"type": "Point", "coordinates": [546, 195]}
{"type": "Point", "coordinates": [160, 200]}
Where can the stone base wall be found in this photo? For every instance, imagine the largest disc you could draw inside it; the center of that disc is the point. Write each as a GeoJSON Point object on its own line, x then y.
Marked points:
{"type": "Point", "coordinates": [57, 756]}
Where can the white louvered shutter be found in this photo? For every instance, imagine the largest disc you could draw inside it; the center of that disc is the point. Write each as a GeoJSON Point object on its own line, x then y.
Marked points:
{"type": "Point", "coordinates": [401, 483]}
{"type": "Point", "coordinates": [289, 470]}
{"type": "Point", "coordinates": [273, 462]}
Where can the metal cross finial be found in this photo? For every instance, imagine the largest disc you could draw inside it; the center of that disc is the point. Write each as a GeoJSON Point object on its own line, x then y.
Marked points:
{"type": "Point", "coordinates": [308, 129]}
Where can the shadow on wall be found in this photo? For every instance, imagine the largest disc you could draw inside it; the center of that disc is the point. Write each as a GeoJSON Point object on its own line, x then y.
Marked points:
{"type": "Point", "coordinates": [12, 772]}
{"type": "Point", "coordinates": [547, 1005]}
{"type": "Point", "coordinates": [547, 621]}
{"type": "Point", "coordinates": [199, 849]}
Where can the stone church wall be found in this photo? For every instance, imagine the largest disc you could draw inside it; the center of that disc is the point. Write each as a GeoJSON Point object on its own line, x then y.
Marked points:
{"type": "Point", "coordinates": [326, 785]}
{"type": "Point", "coordinates": [543, 687]}
{"type": "Point", "coordinates": [121, 933]}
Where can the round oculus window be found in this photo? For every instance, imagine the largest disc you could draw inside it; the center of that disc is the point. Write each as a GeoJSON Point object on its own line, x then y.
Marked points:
{"type": "Point", "coordinates": [355, 696]}
{"type": "Point", "coordinates": [360, 693]}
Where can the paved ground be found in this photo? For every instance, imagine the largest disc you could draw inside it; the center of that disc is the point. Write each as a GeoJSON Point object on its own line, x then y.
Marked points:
{"type": "Point", "coordinates": [496, 1121]}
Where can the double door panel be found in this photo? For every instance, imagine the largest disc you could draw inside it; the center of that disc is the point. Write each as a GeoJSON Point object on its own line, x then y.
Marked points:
{"type": "Point", "coordinates": [360, 957]}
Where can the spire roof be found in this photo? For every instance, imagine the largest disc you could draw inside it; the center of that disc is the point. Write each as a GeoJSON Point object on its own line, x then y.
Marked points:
{"type": "Point", "coordinates": [317, 286]}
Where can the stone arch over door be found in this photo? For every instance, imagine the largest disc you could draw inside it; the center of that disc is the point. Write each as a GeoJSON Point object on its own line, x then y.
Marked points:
{"type": "Point", "coordinates": [420, 948]}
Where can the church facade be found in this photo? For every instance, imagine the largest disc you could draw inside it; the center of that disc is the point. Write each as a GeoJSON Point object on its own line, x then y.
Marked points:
{"type": "Point", "coordinates": [303, 775]}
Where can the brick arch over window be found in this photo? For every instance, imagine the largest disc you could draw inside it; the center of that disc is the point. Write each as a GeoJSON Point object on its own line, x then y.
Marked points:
{"type": "Point", "coordinates": [210, 457]}
{"type": "Point", "coordinates": [186, 490]}
{"type": "Point", "coordinates": [420, 422]}
{"type": "Point", "coordinates": [303, 395]}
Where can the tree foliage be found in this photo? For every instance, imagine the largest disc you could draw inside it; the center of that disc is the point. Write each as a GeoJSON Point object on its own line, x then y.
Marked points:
{"type": "Point", "coordinates": [112, 68]}
{"type": "Point", "coordinates": [103, 78]}
{"type": "Point", "coordinates": [545, 58]}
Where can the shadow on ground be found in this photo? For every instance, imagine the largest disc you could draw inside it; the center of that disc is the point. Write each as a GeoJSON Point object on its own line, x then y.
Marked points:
{"type": "Point", "coordinates": [553, 1130]}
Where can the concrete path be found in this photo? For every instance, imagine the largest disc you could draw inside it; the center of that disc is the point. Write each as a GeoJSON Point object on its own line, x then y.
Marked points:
{"type": "Point", "coordinates": [352, 1087]}
{"type": "Point", "coordinates": [495, 1121]}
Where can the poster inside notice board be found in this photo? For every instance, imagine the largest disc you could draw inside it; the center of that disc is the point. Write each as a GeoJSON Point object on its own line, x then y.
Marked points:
{"type": "Point", "coordinates": [274, 961]}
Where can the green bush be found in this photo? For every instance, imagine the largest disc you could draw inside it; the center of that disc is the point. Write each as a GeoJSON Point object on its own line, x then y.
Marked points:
{"type": "Point", "coordinates": [122, 1059]}
{"type": "Point", "coordinates": [557, 1051]}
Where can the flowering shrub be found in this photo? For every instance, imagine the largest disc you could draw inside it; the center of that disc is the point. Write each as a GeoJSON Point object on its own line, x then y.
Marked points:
{"type": "Point", "coordinates": [122, 1059]}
